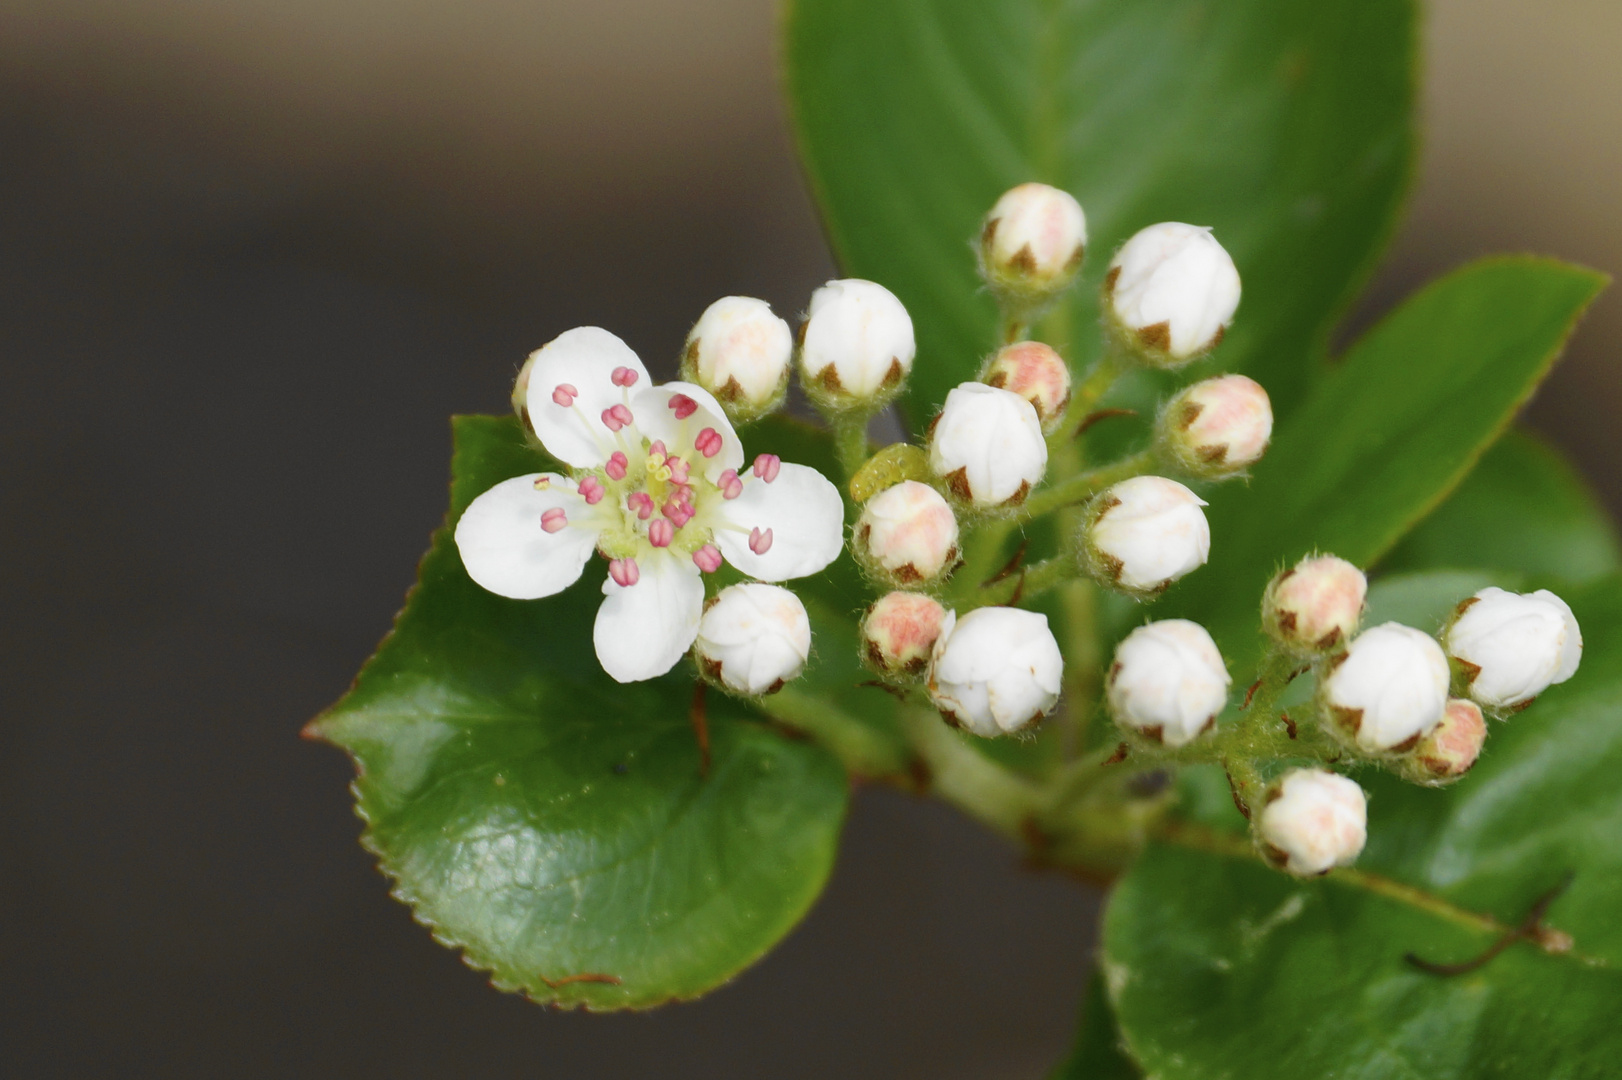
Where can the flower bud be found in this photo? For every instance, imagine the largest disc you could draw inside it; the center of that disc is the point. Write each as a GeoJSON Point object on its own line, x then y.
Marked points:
{"type": "Point", "coordinates": [899, 632]}
{"type": "Point", "coordinates": [753, 638]}
{"type": "Point", "coordinates": [856, 344]}
{"type": "Point", "coordinates": [1143, 534]}
{"type": "Point", "coordinates": [1036, 373]}
{"type": "Point", "coordinates": [907, 533]}
{"type": "Point", "coordinates": [1510, 647]}
{"type": "Point", "coordinates": [1388, 690]}
{"type": "Point", "coordinates": [996, 670]}
{"type": "Point", "coordinates": [1314, 607]}
{"type": "Point", "coordinates": [740, 352]}
{"type": "Point", "coordinates": [987, 444]}
{"type": "Point", "coordinates": [1313, 822]}
{"type": "Point", "coordinates": [1451, 748]}
{"type": "Point", "coordinates": [1170, 293]}
{"type": "Point", "coordinates": [1168, 681]}
{"type": "Point", "coordinates": [1032, 244]}
{"type": "Point", "coordinates": [1218, 427]}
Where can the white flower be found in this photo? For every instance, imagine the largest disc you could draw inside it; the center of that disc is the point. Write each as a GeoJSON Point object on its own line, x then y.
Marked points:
{"type": "Point", "coordinates": [740, 352]}
{"type": "Point", "coordinates": [996, 670]}
{"type": "Point", "coordinates": [987, 444]}
{"type": "Point", "coordinates": [1171, 292]}
{"type": "Point", "coordinates": [1451, 748]}
{"type": "Point", "coordinates": [1316, 605]}
{"type": "Point", "coordinates": [1036, 373]}
{"type": "Point", "coordinates": [907, 532]}
{"type": "Point", "coordinates": [1388, 689]}
{"type": "Point", "coordinates": [1514, 646]}
{"type": "Point", "coordinates": [1145, 533]}
{"type": "Point", "coordinates": [753, 638]}
{"type": "Point", "coordinates": [857, 342]}
{"type": "Point", "coordinates": [1168, 681]}
{"type": "Point", "coordinates": [659, 487]}
{"type": "Point", "coordinates": [899, 632]}
{"type": "Point", "coordinates": [1217, 427]}
{"type": "Point", "coordinates": [1313, 822]}
{"type": "Point", "coordinates": [1032, 242]}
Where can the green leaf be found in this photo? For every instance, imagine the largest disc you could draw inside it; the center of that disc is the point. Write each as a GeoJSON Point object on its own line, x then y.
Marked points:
{"type": "Point", "coordinates": [555, 825]}
{"type": "Point", "coordinates": [1097, 1054]}
{"type": "Point", "coordinates": [1220, 967]}
{"type": "Point", "coordinates": [1383, 439]}
{"type": "Point", "coordinates": [1285, 126]}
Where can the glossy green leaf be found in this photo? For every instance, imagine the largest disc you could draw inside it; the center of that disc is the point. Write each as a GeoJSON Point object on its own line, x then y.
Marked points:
{"type": "Point", "coordinates": [1097, 1054]}
{"type": "Point", "coordinates": [1285, 126]}
{"type": "Point", "coordinates": [1219, 967]}
{"type": "Point", "coordinates": [555, 825]}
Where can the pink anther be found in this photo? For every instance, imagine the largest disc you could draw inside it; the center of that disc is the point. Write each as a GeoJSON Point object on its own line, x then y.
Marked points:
{"type": "Point", "coordinates": [617, 464]}
{"type": "Point", "coordinates": [564, 395]}
{"type": "Point", "coordinates": [624, 572]}
{"type": "Point", "coordinates": [679, 469]}
{"type": "Point", "coordinates": [729, 483]}
{"type": "Point", "coordinates": [708, 442]}
{"type": "Point", "coordinates": [661, 532]}
{"type": "Point", "coordinates": [683, 406]}
{"type": "Point", "coordinates": [591, 489]}
{"type": "Point", "coordinates": [760, 542]}
{"type": "Point", "coordinates": [617, 417]}
{"type": "Point", "coordinates": [624, 376]}
{"type": "Point", "coordinates": [679, 513]}
{"type": "Point", "coordinates": [640, 503]}
{"type": "Point", "coordinates": [708, 558]}
{"type": "Point", "coordinates": [767, 467]}
{"type": "Point", "coordinates": [554, 520]}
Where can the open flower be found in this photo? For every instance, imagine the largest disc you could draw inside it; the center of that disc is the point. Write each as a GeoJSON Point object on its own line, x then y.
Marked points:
{"type": "Point", "coordinates": [658, 486]}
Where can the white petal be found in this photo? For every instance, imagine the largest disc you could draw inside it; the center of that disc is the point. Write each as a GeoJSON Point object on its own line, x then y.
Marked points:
{"type": "Point", "coordinates": [656, 420]}
{"type": "Point", "coordinates": [504, 547]}
{"type": "Point", "coordinates": [584, 358]}
{"type": "Point", "coordinates": [643, 629]}
{"type": "Point", "coordinates": [803, 510]}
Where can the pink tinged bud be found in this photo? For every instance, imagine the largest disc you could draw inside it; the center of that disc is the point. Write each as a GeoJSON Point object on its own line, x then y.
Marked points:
{"type": "Point", "coordinates": [617, 417]}
{"type": "Point", "coordinates": [1217, 427]}
{"type": "Point", "coordinates": [564, 395]}
{"type": "Point", "coordinates": [683, 406]}
{"type": "Point", "coordinates": [708, 442]}
{"type": "Point", "coordinates": [899, 631]}
{"type": "Point", "coordinates": [767, 467]}
{"type": "Point", "coordinates": [591, 489]}
{"type": "Point", "coordinates": [1316, 605]}
{"type": "Point", "coordinates": [617, 464]}
{"type": "Point", "coordinates": [1036, 373]}
{"type": "Point", "coordinates": [554, 520]}
{"type": "Point", "coordinates": [624, 376]}
{"type": "Point", "coordinates": [641, 504]}
{"type": "Point", "coordinates": [1452, 747]}
{"type": "Point", "coordinates": [708, 558]}
{"type": "Point", "coordinates": [907, 533]}
{"type": "Point", "coordinates": [624, 572]}
{"type": "Point", "coordinates": [1312, 821]}
{"type": "Point", "coordinates": [661, 532]}
{"type": "Point", "coordinates": [729, 483]}
{"type": "Point", "coordinates": [760, 542]}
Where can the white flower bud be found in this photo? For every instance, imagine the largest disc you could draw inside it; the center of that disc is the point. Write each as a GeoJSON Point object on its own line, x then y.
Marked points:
{"type": "Point", "coordinates": [1388, 690]}
{"type": "Point", "coordinates": [740, 352]}
{"type": "Point", "coordinates": [1171, 292]}
{"type": "Point", "coordinates": [1036, 373]}
{"type": "Point", "coordinates": [856, 344]}
{"type": "Point", "coordinates": [1145, 533]}
{"type": "Point", "coordinates": [987, 444]}
{"type": "Point", "coordinates": [753, 638]}
{"type": "Point", "coordinates": [899, 632]}
{"type": "Point", "coordinates": [1510, 647]}
{"type": "Point", "coordinates": [1168, 681]}
{"type": "Point", "coordinates": [907, 533]}
{"type": "Point", "coordinates": [1315, 606]}
{"type": "Point", "coordinates": [1313, 822]}
{"type": "Point", "coordinates": [1218, 427]}
{"type": "Point", "coordinates": [1032, 243]}
{"type": "Point", "coordinates": [996, 670]}
{"type": "Point", "coordinates": [1451, 748]}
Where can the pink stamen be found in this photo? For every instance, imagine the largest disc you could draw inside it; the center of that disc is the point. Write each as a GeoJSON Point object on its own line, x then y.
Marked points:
{"type": "Point", "coordinates": [678, 513]}
{"type": "Point", "coordinates": [554, 520]}
{"type": "Point", "coordinates": [708, 442]}
{"type": "Point", "coordinates": [679, 469]}
{"type": "Point", "coordinates": [683, 406]}
{"type": "Point", "coordinates": [641, 503]}
{"type": "Point", "coordinates": [731, 487]}
{"type": "Point", "coordinates": [617, 417]}
{"type": "Point", "coordinates": [624, 572]}
{"type": "Point", "coordinates": [767, 466]}
{"type": "Point", "coordinates": [760, 542]}
{"type": "Point", "coordinates": [661, 532]}
{"type": "Point", "coordinates": [657, 449]}
{"type": "Point", "coordinates": [617, 464]}
{"type": "Point", "coordinates": [564, 395]}
{"type": "Point", "coordinates": [708, 558]}
{"type": "Point", "coordinates": [624, 376]}
{"type": "Point", "coordinates": [591, 489]}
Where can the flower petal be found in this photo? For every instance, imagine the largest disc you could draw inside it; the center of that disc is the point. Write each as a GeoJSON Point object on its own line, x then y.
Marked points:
{"type": "Point", "coordinates": [643, 629]}
{"type": "Point", "coordinates": [657, 420]}
{"type": "Point", "coordinates": [583, 359]}
{"type": "Point", "coordinates": [803, 510]}
{"type": "Point", "coordinates": [504, 547]}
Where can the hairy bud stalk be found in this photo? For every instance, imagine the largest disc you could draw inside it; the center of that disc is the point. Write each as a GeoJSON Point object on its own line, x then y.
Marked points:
{"type": "Point", "coordinates": [1387, 691]}
{"type": "Point", "coordinates": [1143, 534]}
{"type": "Point", "coordinates": [995, 671]}
{"type": "Point", "coordinates": [1216, 428]}
{"type": "Point", "coordinates": [899, 632]}
{"type": "Point", "coordinates": [740, 352]}
{"type": "Point", "coordinates": [1031, 246]}
{"type": "Point", "coordinates": [1168, 682]}
{"type": "Point", "coordinates": [856, 345]}
{"type": "Point", "coordinates": [907, 534]}
{"type": "Point", "coordinates": [1510, 647]}
{"type": "Point", "coordinates": [753, 638]}
{"type": "Point", "coordinates": [1170, 294]}
{"type": "Point", "coordinates": [1314, 607]}
{"type": "Point", "coordinates": [1312, 822]}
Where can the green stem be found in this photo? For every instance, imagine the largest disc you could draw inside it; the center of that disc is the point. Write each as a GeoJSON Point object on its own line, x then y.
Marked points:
{"type": "Point", "coordinates": [1086, 396]}
{"type": "Point", "coordinates": [861, 748]}
{"type": "Point", "coordinates": [1085, 485]}
{"type": "Point", "coordinates": [1027, 583]}
{"type": "Point", "coordinates": [850, 440]}
{"type": "Point", "coordinates": [968, 779]}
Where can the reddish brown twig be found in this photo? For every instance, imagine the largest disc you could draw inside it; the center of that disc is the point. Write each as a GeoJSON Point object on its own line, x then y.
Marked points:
{"type": "Point", "coordinates": [1102, 414]}
{"type": "Point", "coordinates": [1531, 929]}
{"type": "Point", "coordinates": [1008, 568]}
{"type": "Point", "coordinates": [1117, 757]}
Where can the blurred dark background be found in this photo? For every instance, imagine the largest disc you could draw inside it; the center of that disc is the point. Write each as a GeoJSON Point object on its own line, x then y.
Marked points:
{"type": "Point", "coordinates": [252, 254]}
